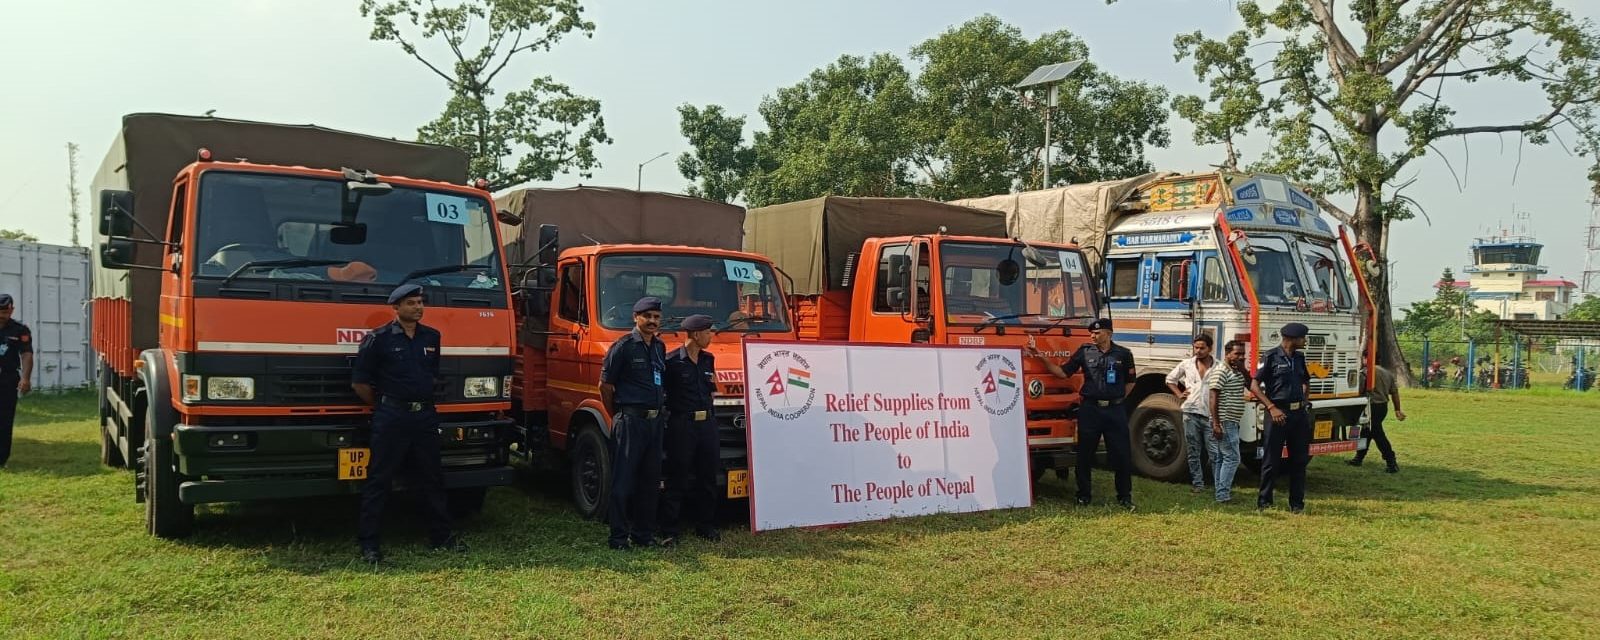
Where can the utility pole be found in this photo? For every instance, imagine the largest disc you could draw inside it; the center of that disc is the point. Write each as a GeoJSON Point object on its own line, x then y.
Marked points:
{"type": "Point", "coordinates": [72, 189]}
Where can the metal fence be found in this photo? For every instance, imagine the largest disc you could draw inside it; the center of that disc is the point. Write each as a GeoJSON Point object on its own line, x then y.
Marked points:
{"type": "Point", "coordinates": [1526, 363]}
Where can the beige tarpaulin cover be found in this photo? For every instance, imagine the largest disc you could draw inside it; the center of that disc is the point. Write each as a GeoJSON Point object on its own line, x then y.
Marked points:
{"type": "Point", "coordinates": [811, 239]}
{"type": "Point", "coordinates": [151, 148]}
{"type": "Point", "coordinates": [617, 216]}
{"type": "Point", "coordinates": [1081, 211]}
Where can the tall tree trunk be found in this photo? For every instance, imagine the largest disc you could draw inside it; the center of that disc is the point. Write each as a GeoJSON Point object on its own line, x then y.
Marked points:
{"type": "Point", "coordinates": [1373, 231]}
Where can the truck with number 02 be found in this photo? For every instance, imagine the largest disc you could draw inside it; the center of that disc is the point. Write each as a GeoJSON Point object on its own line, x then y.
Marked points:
{"type": "Point", "coordinates": [240, 266]}
{"type": "Point", "coordinates": [1232, 255]}
{"type": "Point", "coordinates": [581, 258]}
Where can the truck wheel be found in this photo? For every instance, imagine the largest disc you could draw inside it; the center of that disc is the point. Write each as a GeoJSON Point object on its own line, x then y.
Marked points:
{"type": "Point", "coordinates": [110, 454]}
{"type": "Point", "coordinates": [1039, 466]}
{"type": "Point", "coordinates": [1156, 435]}
{"type": "Point", "coordinates": [591, 472]}
{"type": "Point", "coordinates": [165, 516]}
{"type": "Point", "coordinates": [465, 503]}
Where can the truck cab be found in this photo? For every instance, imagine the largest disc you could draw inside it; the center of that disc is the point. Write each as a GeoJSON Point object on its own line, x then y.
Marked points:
{"type": "Point", "coordinates": [1235, 256]}
{"type": "Point", "coordinates": [575, 300]}
{"type": "Point", "coordinates": [903, 270]}
{"type": "Point", "coordinates": [258, 281]}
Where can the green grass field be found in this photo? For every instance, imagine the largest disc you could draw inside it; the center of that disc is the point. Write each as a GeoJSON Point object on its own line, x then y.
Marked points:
{"type": "Point", "coordinates": [1492, 530]}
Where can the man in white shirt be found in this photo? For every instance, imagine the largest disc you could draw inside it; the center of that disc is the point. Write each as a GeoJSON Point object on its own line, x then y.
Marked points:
{"type": "Point", "coordinates": [1188, 383]}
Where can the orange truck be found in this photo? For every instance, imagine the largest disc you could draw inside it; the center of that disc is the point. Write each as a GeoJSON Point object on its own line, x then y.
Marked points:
{"type": "Point", "coordinates": [902, 270]}
{"type": "Point", "coordinates": [582, 257]}
{"type": "Point", "coordinates": [241, 263]}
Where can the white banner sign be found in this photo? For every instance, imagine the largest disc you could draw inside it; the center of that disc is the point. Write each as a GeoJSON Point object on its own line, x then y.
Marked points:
{"type": "Point", "coordinates": [847, 433]}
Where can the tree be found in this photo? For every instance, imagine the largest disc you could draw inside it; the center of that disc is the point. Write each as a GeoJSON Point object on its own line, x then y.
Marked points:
{"type": "Point", "coordinates": [977, 136]}
{"type": "Point", "coordinates": [841, 131]}
{"type": "Point", "coordinates": [532, 133]}
{"type": "Point", "coordinates": [958, 128]}
{"type": "Point", "coordinates": [18, 235]}
{"type": "Point", "coordinates": [1334, 84]}
{"type": "Point", "coordinates": [1589, 310]}
{"type": "Point", "coordinates": [720, 161]}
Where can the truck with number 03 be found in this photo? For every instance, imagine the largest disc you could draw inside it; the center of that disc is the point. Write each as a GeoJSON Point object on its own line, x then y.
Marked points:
{"type": "Point", "coordinates": [581, 257]}
{"type": "Point", "coordinates": [240, 266]}
{"type": "Point", "coordinates": [1232, 255]}
{"type": "Point", "coordinates": [905, 270]}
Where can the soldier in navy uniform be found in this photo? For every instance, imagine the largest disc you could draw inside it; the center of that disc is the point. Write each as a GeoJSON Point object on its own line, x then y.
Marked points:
{"type": "Point", "coordinates": [1282, 378]}
{"type": "Point", "coordinates": [692, 448]}
{"type": "Point", "coordinates": [16, 370]}
{"type": "Point", "coordinates": [631, 388]}
{"type": "Point", "coordinates": [395, 369]}
{"type": "Point", "coordinates": [1108, 373]}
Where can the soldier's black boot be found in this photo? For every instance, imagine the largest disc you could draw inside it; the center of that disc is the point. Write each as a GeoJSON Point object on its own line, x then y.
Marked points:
{"type": "Point", "coordinates": [1391, 467]}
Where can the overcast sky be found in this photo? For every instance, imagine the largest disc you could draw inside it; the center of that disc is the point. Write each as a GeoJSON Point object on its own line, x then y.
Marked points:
{"type": "Point", "coordinates": [73, 67]}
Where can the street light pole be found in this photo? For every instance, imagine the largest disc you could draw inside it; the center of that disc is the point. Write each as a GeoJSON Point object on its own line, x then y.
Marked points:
{"type": "Point", "coordinates": [1048, 78]}
{"type": "Point", "coordinates": [639, 185]}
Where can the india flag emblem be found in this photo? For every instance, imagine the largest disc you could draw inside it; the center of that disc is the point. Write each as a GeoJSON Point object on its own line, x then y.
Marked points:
{"type": "Point", "coordinates": [799, 378]}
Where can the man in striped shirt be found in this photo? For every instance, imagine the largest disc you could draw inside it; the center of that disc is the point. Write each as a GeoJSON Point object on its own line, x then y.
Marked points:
{"type": "Point", "coordinates": [1227, 386]}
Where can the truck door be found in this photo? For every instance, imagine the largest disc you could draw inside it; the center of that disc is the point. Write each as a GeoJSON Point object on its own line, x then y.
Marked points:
{"type": "Point", "coordinates": [562, 350]}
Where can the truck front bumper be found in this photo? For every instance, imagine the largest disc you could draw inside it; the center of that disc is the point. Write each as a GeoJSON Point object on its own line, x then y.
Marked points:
{"type": "Point", "coordinates": [235, 463]}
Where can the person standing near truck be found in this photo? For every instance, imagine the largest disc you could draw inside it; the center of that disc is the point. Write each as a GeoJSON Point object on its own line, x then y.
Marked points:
{"type": "Point", "coordinates": [1108, 374]}
{"type": "Point", "coordinates": [16, 370]}
{"type": "Point", "coordinates": [631, 379]}
{"type": "Point", "coordinates": [1227, 385]}
{"type": "Point", "coordinates": [394, 372]}
{"type": "Point", "coordinates": [692, 447]}
{"type": "Point", "coordinates": [1383, 390]}
{"type": "Point", "coordinates": [1188, 382]}
{"type": "Point", "coordinates": [1283, 380]}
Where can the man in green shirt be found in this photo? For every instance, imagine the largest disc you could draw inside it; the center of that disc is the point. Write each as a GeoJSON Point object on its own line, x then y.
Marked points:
{"type": "Point", "coordinates": [1384, 390]}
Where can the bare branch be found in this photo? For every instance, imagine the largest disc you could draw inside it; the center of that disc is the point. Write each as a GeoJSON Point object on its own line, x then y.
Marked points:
{"type": "Point", "coordinates": [412, 49]}
{"type": "Point", "coordinates": [1535, 125]}
{"type": "Point", "coordinates": [1332, 209]}
{"type": "Point", "coordinates": [1447, 164]}
{"type": "Point", "coordinates": [1337, 43]}
{"type": "Point", "coordinates": [514, 49]}
{"type": "Point", "coordinates": [1424, 36]}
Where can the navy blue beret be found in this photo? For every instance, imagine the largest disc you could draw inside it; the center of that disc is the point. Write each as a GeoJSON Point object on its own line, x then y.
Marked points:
{"type": "Point", "coordinates": [404, 291]}
{"type": "Point", "coordinates": [697, 322]}
{"type": "Point", "coordinates": [1294, 330]}
{"type": "Point", "coordinates": [1099, 324]}
{"type": "Point", "coordinates": [647, 303]}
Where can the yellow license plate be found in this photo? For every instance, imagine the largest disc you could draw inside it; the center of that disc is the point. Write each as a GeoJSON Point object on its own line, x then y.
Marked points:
{"type": "Point", "coordinates": [1324, 430]}
{"type": "Point", "coordinates": [739, 483]}
{"type": "Point", "coordinates": [353, 463]}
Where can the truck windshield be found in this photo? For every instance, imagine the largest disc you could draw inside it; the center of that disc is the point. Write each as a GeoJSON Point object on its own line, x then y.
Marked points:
{"type": "Point", "coordinates": [995, 283]}
{"type": "Point", "coordinates": [739, 295]}
{"type": "Point", "coordinates": [1276, 280]}
{"type": "Point", "coordinates": [276, 227]}
{"type": "Point", "coordinates": [1329, 272]}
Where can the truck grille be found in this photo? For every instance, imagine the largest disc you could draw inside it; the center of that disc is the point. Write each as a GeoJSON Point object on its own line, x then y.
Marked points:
{"type": "Point", "coordinates": [1338, 365]}
{"type": "Point", "coordinates": [328, 388]}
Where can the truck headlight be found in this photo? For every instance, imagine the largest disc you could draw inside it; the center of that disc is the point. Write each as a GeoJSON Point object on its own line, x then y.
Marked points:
{"type": "Point", "coordinates": [230, 388]}
{"type": "Point", "coordinates": [481, 387]}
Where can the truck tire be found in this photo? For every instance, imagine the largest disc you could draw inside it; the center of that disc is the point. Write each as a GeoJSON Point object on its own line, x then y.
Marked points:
{"type": "Point", "coordinates": [465, 503]}
{"type": "Point", "coordinates": [1156, 439]}
{"type": "Point", "coordinates": [165, 516]}
{"type": "Point", "coordinates": [591, 472]}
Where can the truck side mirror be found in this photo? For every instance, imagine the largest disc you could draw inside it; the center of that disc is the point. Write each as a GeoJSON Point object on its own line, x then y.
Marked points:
{"type": "Point", "coordinates": [116, 212]}
{"type": "Point", "coordinates": [896, 297]}
{"type": "Point", "coordinates": [549, 242]}
{"type": "Point", "coordinates": [900, 271]}
{"type": "Point", "coordinates": [117, 253]}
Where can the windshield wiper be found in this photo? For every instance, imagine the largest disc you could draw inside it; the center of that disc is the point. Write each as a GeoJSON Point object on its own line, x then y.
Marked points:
{"type": "Point", "coordinates": [748, 320]}
{"type": "Point", "coordinates": [286, 262]}
{"type": "Point", "coordinates": [991, 320]}
{"type": "Point", "coordinates": [448, 268]}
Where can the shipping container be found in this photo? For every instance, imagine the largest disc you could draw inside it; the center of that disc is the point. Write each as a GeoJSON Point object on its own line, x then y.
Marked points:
{"type": "Point", "coordinates": [50, 284]}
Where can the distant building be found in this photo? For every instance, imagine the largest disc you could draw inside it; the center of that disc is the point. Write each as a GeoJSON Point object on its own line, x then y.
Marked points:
{"type": "Point", "coordinates": [1507, 280]}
